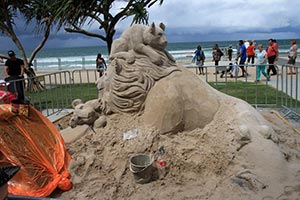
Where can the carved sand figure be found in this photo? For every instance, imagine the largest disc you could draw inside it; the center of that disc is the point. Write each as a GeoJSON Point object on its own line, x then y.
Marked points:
{"type": "Point", "coordinates": [217, 146]}
{"type": "Point", "coordinates": [141, 40]}
{"type": "Point", "coordinates": [87, 113]}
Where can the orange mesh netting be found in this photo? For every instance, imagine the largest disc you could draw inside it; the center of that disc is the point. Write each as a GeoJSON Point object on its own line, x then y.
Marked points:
{"type": "Point", "coordinates": [34, 144]}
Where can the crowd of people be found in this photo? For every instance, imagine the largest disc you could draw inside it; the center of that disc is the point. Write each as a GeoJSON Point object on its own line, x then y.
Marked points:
{"type": "Point", "coordinates": [266, 59]}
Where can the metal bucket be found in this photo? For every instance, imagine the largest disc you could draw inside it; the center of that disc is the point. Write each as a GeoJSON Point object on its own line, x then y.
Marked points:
{"type": "Point", "coordinates": [141, 167]}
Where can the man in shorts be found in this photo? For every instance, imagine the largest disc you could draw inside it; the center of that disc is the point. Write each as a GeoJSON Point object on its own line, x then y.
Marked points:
{"type": "Point", "coordinates": [243, 56]}
{"type": "Point", "coordinates": [292, 56]}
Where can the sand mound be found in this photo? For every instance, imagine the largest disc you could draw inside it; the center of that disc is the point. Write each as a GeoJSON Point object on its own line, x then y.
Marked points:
{"type": "Point", "coordinates": [233, 157]}
{"type": "Point", "coordinates": [217, 147]}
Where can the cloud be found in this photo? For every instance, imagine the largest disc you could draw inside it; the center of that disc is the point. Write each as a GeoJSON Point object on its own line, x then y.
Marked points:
{"type": "Point", "coordinates": [222, 16]}
{"type": "Point", "coordinates": [196, 20]}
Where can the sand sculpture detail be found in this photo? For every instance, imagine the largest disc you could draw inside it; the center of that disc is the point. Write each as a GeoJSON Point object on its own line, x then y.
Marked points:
{"type": "Point", "coordinates": [220, 147]}
{"type": "Point", "coordinates": [144, 78]}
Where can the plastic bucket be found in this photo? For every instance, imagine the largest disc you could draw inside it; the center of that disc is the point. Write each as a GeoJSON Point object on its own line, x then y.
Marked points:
{"type": "Point", "coordinates": [141, 167]}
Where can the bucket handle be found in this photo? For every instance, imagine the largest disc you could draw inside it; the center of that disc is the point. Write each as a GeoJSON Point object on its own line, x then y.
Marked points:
{"type": "Point", "coordinates": [151, 162]}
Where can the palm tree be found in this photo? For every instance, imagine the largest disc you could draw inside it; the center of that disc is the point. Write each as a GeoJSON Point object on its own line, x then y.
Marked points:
{"type": "Point", "coordinates": [73, 14]}
{"type": "Point", "coordinates": [33, 10]}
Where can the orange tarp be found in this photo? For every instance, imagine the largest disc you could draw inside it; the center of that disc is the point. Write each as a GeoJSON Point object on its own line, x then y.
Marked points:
{"type": "Point", "coordinates": [34, 144]}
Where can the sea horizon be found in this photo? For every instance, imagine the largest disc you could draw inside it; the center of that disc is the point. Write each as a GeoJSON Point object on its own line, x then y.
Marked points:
{"type": "Point", "coordinates": [77, 57]}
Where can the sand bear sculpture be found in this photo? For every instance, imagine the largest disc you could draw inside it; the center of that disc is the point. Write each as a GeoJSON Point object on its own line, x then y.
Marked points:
{"type": "Point", "coordinates": [143, 40]}
{"type": "Point", "coordinates": [143, 78]}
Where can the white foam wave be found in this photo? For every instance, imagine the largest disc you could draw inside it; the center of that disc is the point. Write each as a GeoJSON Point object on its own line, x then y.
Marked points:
{"type": "Point", "coordinates": [89, 61]}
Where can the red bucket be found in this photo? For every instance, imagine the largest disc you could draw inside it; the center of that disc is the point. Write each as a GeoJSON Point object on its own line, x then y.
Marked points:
{"type": "Point", "coordinates": [20, 107]}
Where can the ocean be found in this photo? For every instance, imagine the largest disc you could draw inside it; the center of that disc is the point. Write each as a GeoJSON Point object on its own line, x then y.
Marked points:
{"type": "Point", "coordinates": [84, 57]}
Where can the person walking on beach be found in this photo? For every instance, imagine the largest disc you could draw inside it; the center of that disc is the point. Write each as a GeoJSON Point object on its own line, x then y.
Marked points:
{"type": "Point", "coordinates": [251, 53]}
{"type": "Point", "coordinates": [217, 54]}
{"type": "Point", "coordinates": [229, 52]}
{"type": "Point", "coordinates": [14, 71]}
{"type": "Point", "coordinates": [242, 56]}
{"type": "Point", "coordinates": [100, 64]}
{"type": "Point", "coordinates": [262, 58]}
{"type": "Point", "coordinates": [292, 56]}
{"type": "Point", "coordinates": [199, 57]}
{"type": "Point", "coordinates": [272, 53]}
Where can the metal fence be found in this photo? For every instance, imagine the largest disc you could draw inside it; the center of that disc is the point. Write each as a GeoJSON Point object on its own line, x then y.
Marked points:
{"type": "Point", "coordinates": [282, 91]}
{"type": "Point", "coordinates": [55, 91]}
{"type": "Point", "coordinates": [60, 88]}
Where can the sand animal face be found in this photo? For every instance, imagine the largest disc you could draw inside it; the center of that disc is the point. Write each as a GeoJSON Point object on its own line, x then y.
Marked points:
{"type": "Point", "coordinates": [140, 40]}
{"type": "Point", "coordinates": [155, 37]}
{"type": "Point", "coordinates": [84, 113]}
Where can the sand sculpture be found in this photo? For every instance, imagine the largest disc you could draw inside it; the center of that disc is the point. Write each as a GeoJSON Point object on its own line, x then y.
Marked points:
{"type": "Point", "coordinates": [141, 70]}
{"type": "Point", "coordinates": [218, 147]}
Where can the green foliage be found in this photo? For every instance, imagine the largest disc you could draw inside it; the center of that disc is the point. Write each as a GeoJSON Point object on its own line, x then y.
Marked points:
{"type": "Point", "coordinates": [73, 14]}
{"type": "Point", "coordinates": [38, 11]}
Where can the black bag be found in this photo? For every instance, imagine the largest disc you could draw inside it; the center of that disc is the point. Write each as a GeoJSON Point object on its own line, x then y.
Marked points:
{"type": "Point", "coordinates": [221, 53]}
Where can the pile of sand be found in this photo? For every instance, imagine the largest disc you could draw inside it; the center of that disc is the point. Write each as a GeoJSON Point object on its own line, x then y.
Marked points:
{"type": "Point", "coordinates": [224, 160]}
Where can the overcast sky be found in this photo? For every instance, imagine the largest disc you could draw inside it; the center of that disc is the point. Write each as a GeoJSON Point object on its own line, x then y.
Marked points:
{"type": "Point", "coordinates": [197, 20]}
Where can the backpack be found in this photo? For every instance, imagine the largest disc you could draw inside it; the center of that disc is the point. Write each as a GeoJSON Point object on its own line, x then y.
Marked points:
{"type": "Point", "coordinates": [200, 55]}
{"type": "Point", "coordinates": [221, 53]}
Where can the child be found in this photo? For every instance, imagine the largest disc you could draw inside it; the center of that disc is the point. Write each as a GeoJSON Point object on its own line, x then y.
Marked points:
{"type": "Point", "coordinates": [199, 57]}
{"type": "Point", "coordinates": [229, 69]}
{"type": "Point", "coordinates": [100, 64]}
{"type": "Point", "coordinates": [233, 70]}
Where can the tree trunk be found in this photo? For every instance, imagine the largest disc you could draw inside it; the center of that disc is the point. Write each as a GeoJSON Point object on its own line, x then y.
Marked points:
{"type": "Point", "coordinates": [109, 44]}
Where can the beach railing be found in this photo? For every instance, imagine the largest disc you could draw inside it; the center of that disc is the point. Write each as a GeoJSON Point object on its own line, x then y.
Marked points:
{"type": "Point", "coordinates": [62, 87]}
{"type": "Point", "coordinates": [290, 85]}
{"type": "Point", "coordinates": [282, 91]}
